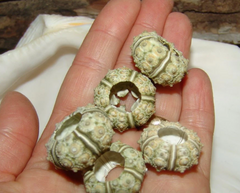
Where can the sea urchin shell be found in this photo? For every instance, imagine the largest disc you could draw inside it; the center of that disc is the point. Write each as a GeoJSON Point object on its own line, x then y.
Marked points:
{"type": "Point", "coordinates": [119, 82]}
{"type": "Point", "coordinates": [170, 146]}
{"type": "Point", "coordinates": [129, 180]}
{"type": "Point", "coordinates": [158, 59]}
{"type": "Point", "coordinates": [80, 139]}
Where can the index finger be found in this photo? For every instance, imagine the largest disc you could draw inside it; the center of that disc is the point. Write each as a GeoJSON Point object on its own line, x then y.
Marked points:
{"type": "Point", "coordinates": [96, 56]}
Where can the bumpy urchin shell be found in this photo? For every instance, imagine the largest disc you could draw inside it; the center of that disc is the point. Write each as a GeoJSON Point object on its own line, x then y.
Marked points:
{"type": "Point", "coordinates": [129, 180]}
{"type": "Point", "coordinates": [170, 146]}
{"type": "Point", "coordinates": [158, 59]}
{"type": "Point", "coordinates": [80, 139]}
{"type": "Point", "coordinates": [118, 82]}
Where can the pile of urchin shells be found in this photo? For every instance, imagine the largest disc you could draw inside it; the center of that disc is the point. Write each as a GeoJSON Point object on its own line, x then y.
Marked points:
{"type": "Point", "coordinates": [82, 141]}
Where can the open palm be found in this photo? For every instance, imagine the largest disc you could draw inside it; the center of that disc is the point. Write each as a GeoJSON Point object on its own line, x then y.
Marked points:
{"type": "Point", "coordinates": [23, 164]}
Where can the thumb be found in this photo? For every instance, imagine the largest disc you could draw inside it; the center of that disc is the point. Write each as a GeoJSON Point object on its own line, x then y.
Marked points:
{"type": "Point", "coordinates": [18, 134]}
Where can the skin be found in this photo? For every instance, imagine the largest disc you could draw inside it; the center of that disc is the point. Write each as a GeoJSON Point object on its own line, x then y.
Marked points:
{"type": "Point", "coordinates": [23, 164]}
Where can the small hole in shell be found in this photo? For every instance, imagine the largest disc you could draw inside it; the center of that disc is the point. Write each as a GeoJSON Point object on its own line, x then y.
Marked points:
{"type": "Point", "coordinates": [129, 100]}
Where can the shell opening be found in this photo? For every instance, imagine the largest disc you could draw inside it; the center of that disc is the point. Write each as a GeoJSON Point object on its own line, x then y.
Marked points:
{"type": "Point", "coordinates": [172, 135]}
{"type": "Point", "coordinates": [106, 163]}
{"type": "Point", "coordinates": [121, 97]}
{"type": "Point", "coordinates": [68, 126]}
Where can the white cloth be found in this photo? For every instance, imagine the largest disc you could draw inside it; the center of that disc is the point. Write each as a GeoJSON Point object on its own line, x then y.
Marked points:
{"type": "Point", "coordinates": [220, 61]}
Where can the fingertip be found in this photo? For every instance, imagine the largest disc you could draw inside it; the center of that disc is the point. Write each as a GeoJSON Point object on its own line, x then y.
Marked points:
{"type": "Point", "coordinates": [153, 15]}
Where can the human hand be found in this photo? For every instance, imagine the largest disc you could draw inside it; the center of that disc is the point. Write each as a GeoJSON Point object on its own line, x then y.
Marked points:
{"type": "Point", "coordinates": [23, 164]}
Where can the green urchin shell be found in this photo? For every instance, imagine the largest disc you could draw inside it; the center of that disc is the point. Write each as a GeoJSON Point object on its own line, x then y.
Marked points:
{"type": "Point", "coordinates": [130, 179]}
{"type": "Point", "coordinates": [158, 59]}
{"type": "Point", "coordinates": [80, 138]}
{"type": "Point", "coordinates": [119, 82]}
{"type": "Point", "coordinates": [178, 153]}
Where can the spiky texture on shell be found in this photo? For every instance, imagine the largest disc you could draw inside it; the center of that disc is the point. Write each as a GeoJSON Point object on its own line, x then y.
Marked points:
{"type": "Point", "coordinates": [163, 154]}
{"type": "Point", "coordinates": [119, 80]}
{"type": "Point", "coordinates": [158, 59]}
{"type": "Point", "coordinates": [129, 180]}
{"type": "Point", "coordinates": [80, 139]}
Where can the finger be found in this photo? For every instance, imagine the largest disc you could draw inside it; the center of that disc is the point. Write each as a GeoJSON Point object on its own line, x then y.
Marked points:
{"type": "Point", "coordinates": [198, 113]}
{"type": "Point", "coordinates": [168, 99]}
{"type": "Point", "coordinates": [149, 19]}
{"type": "Point", "coordinates": [18, 134]}
{"type": "Point", "coordinates": [152, 17]}
{"type": "Point", "coordinates": [96, 56]}
{"type": "Point", "coordinates": [98, 53]}
{"type": "Point", "coordinates": [177, 30]}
